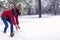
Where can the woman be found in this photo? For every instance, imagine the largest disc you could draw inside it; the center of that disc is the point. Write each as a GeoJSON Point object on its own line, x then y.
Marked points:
{"type": "Point", "coordinates": [11, 16]}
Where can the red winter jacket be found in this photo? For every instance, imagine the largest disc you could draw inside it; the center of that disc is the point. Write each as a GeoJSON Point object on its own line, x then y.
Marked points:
{"type": "Point", "coordinates": [9, 14]}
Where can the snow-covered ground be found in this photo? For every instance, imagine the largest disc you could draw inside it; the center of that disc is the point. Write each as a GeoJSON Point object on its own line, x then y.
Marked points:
{"type": "Point", "coordinates": [34, 28]}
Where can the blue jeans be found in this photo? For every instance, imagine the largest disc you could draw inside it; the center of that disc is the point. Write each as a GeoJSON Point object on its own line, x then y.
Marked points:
{"type": "Point", "coordinates": [5, 21]}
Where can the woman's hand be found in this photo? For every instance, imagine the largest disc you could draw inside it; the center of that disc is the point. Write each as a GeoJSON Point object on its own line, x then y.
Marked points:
{"type": "Point", "coordinates": [17, 27]}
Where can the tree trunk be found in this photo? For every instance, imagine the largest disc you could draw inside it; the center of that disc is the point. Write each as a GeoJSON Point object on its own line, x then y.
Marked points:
{"type": "Point", "coordinates": [39, 10]}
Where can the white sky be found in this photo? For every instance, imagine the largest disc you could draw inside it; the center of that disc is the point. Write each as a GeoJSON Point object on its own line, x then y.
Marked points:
{"type": "Point", "coordinates": [4, 0]}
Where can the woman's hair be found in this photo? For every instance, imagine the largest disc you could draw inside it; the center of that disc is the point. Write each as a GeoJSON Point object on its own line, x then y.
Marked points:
{"type": "Point", "coordinates": [16, 9]}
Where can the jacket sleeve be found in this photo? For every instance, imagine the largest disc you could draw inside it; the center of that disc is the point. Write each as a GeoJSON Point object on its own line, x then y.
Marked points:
{"type": "Point", "coordinates": [13, 20]}
{"type": "Point", "coordinates": [17, 21]}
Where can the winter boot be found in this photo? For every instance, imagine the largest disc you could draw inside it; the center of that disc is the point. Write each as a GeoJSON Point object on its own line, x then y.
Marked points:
{"type": "Point", "coordinates": [4, 32]}
{"type": "Point", "coordinates": [11, 34]}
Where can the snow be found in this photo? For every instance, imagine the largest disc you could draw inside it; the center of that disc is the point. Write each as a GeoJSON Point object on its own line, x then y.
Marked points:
{"type": "Point", "coordinates": [34, 28]}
